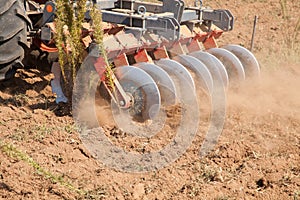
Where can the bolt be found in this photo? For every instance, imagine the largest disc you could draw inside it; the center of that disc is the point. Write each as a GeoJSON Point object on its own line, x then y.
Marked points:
{"type": "Point", "coordinates": [122, 103]}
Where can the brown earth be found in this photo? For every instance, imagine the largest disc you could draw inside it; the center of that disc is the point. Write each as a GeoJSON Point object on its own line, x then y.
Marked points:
{"type": "Point", "coordinates": [257, 155]}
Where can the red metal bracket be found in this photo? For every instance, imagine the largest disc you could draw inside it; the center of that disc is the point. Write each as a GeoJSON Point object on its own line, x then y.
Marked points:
{"type": "Point", "coordinates": [160, 52]}
{"type": "Point", "coordinates": [210, 41]}
{"type": "Point", "coordinates": [100, 67]}
{"type": "Point", "coordinates": [121, 60]}
{"type": "Point", "coordinates": [176, 49]}
{"type": "Point", "coordinates": [194, 45]}
{"type": "Point", "coordinates": [142, 56]}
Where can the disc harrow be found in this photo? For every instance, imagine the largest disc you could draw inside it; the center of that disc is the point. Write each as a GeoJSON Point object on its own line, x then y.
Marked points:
{"type": "Point", "coordinates": [157, 49]}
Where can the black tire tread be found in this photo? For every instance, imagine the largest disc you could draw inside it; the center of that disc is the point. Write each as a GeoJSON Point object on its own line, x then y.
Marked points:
{"type": "Point", "coordinates": [5, 5]}
{"type": "Point", "coordinates": [13, 35]}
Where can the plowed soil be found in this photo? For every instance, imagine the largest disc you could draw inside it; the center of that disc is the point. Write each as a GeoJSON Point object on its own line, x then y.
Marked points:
{"type": "Point", "coordinates": [256, 157]}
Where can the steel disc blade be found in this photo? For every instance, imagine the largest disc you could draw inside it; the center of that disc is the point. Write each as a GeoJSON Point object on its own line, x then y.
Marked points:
{"type": "Point", "coordinates": [232, 64]}
{"type": "Point", "coordinates": [164, 82]}
{"type": "Point", "coordinates": [248, 60]}
{"type": "Point", "coordinates": [199, 68]}
{"type": "Point", "coordinates": [144, 91]}
{"type": "Point", "coordinates": [180, 75]}
{"type": "Point", "coordinates": [214, 65]}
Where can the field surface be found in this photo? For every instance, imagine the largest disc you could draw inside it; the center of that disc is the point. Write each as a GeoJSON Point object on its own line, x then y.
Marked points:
{"type": "Point", "coordinates": [256, 157]}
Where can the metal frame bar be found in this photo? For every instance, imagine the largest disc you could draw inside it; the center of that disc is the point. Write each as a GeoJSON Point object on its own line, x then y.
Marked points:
{"type": "Point", "coordinates": [176, 9]}
{"type": "Point", "coordinates": [167, 27]}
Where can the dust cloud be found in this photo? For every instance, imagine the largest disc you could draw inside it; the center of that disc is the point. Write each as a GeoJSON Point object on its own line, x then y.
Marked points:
{"type": "Point", "coordinates": [276, 91]}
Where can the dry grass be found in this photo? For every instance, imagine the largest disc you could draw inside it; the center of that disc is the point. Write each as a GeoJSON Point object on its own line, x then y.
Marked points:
{"type": "Point", "coordinates": [291, 41]}
{"type": "Point", "coordinates": [68, 38]}
{"type": "Point", "coordinates": [12, 152]}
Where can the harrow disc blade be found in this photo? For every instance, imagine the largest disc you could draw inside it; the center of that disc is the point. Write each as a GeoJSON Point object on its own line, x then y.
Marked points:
{"type": "Point", "coordinates": [248, 60]}
{"type": "Point", "coordinates": [199, 68]}
{"type": "Point", "coordinates": [143, 91]}
{"type": "Point", "coordinates": [232, 64]}
{"type": "Point", "coordinates": [214, 65]}
{"type": "Point", "coordinates": [164, 82]}
{"type": "Point", "coordinates": [182, 78]}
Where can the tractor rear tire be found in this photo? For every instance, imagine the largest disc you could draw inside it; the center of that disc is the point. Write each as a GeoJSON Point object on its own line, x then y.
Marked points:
{"type": "Point", "coordinates": [13, 36]}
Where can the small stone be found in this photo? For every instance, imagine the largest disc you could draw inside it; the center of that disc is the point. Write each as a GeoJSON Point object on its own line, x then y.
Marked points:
{"type": "Point", "coordinates": [262, 183]}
